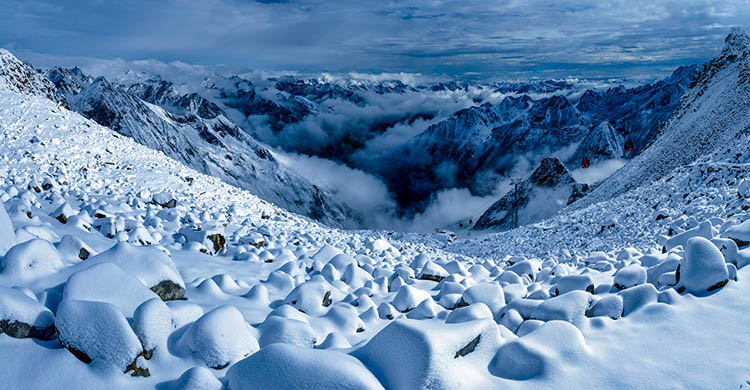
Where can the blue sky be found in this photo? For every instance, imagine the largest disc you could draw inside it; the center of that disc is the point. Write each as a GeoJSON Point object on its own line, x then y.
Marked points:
{"type": "Point", "coordinates": [465, 38]}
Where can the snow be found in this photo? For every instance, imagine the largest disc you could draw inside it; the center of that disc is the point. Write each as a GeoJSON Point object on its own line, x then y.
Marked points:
{"type": "Point", "coordinates": [153, 323]}
{"type": "Point", "coordinates": [7, 233]}
{"type": "Point", "coordinates": [270, 368]}
{"type": "Point", "coordinates": [15, 306]}
{"type": "Point", "coordinates": [446, 356]}
{"type": "Point", "coordinates": [29, 260]}
{"type": "Point", "coordinates": [98, 330]}
{"type": "Point", "coordinates": [106, 282]}
{"type": "Point", "coordinates": [703, 269]}
{"type": "Point", "coordinates": [584, 299]}
{"type": "Point", "coordinates": [219, 337]}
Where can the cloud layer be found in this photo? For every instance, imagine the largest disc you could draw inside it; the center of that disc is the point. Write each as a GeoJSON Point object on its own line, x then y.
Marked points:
{"type": "Point", "coordinates": [470, 38]}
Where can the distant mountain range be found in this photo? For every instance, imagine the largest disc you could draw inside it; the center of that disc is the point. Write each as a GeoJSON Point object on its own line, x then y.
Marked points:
{"type": "Point", "coordinates": [447, 134]}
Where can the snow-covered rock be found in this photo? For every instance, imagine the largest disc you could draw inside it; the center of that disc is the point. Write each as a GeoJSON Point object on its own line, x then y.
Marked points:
{"type": "Point", "coordinates": [106, 282]}
{"type": "Point", "coordinates": [219, 338]}
{"type": "Point", "coordinates": [153, 267]}
{"type": "Point", "coordinates": [7, 233]}
{"type": "Point", "coordinates": [152, 323]}
{"type": "Point", "coordinates": [552, 344]}
{"type": "Point", "coordinates": [97, 332]}
{"type": "Point", "coordinates": [438, 356]}
{"type": "Point", "coordinates": [703, 269]}
{"type": "Point", "coordinates": [21, 316]}
{"type": "Point", "coordinates": [284, 366]}
{"type": "Point", "coordinates": [30, 260]}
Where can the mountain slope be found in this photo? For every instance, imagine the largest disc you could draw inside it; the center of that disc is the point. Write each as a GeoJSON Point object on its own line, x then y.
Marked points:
{"type": "Point", "coordinates": [549, 188]}
{"type": "Point", "coordinates": [712, 117]}
{"type": "Point", "coordinates": [15, 76]}
{"type": "Point", "coordinates": [197, 132]}
{"type": "Point", "coordinates": [476, 145]}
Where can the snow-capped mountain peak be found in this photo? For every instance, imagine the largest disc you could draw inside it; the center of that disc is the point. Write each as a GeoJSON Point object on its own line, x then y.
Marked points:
{"type": "Point", "coordinates": [15, 76]}
{"type": "Point", "coordinates": [737, 42]}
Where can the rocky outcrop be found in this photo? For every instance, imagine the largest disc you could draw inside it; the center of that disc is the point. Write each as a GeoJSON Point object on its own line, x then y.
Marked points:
{"type": "Point", "coordinates": [549, 188]}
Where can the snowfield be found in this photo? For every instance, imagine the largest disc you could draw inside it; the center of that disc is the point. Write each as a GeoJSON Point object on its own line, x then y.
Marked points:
{"type": "Point", "coordinates": [122, 268]}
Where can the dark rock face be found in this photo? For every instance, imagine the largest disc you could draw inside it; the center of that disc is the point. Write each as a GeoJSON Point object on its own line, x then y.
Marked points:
{"type": "Point", "coordinates": [169, 291]}
{"type": "Point", "coordinates": [549, 188]}
{"type": "Point", "coordinates": [22, 330]}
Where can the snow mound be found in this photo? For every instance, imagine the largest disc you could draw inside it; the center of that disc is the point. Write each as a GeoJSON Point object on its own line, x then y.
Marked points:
{"type": "Point", "coordinates": [284, 366]}
{"type": "Point", "coordinates": [703, 269]}
{"type": "Point", "coordinates": [30, 260]}
{"type": "Point", "coordinates": [106, 282]}
{"type": "Point", "coordinates": [439, 356]}
{"type": "Point", "coordinates": [552, 344]}
{"type": "Point", "coordinates": [197, 378]}
{"type": "Point", "coordinates": [153, 267]}
{"type": "Point", "coordinates": [97, 332]}
{"type": "Point", "coordinates": [220, 337]}
{"type": "Point", "coordinates": [7, 233]}
{"type": "Point", "coordinates": [152, 323]}
{"type": "Point", "coordinates": [22, 316]}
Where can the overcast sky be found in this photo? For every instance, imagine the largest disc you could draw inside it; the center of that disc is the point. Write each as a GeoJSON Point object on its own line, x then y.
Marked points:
{"type": "Point", "coordinates": [463, 38]}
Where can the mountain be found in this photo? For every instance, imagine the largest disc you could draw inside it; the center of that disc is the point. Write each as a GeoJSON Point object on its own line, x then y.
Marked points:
{"type": "Point", "coordinates": [15, 76]}
{"type": "Point", "coordinates": [549, 188]}
{"type": "Point", "coordinates": [476, 145]}
{"type": "Point", "coordinates": [197, 132]}
{"type": "Point", "coordinates": [711, 121]}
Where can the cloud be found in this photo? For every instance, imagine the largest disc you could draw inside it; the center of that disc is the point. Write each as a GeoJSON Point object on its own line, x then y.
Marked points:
{"type": "Point", "coordinates": [471, 38]}
{"type": "Point", "coordinates": [598, 172]}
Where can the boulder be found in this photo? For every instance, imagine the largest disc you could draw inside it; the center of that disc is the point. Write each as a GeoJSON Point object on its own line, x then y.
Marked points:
{"type": "Point", "coordinates": [197, 378]}
{"type": "Point", "coordinates": [219, 338]}
{"type": "Point", "coordinates": [276, 329]}
{"type": "Point", "coordinates": [533, 355]}
{"type": "Point", "coordinates": [7, 232]}
{"type": "Point", "coordinates": [30, 260]}
{"type": "Point", "coordinates": [106, 282]}
{"type": "Point", "coordinates": [154, 268]}
{"type": "Point", "coordinates": [438, 356]}
{"type": "Point", "coordinates": [570, 307]}
{"type": "Point", "coordinates": [629, 276]}
{"type": "Point", "coordinates": [573, 282]}
{"type": "Point", "coordinates": [703, 270]}
{"type": "Point", "coordinates": [96, 332]}
{"type": "Point", "coordinates": [284, 366]}
{"type": "Point", "coordinates": [740, 234]}
{"type": "Point", "coordinates": [152, 323]}
{"type": "Point", "coordinates": [609, 306]}
{"type": "Point", "coordinates": [21, 316]}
